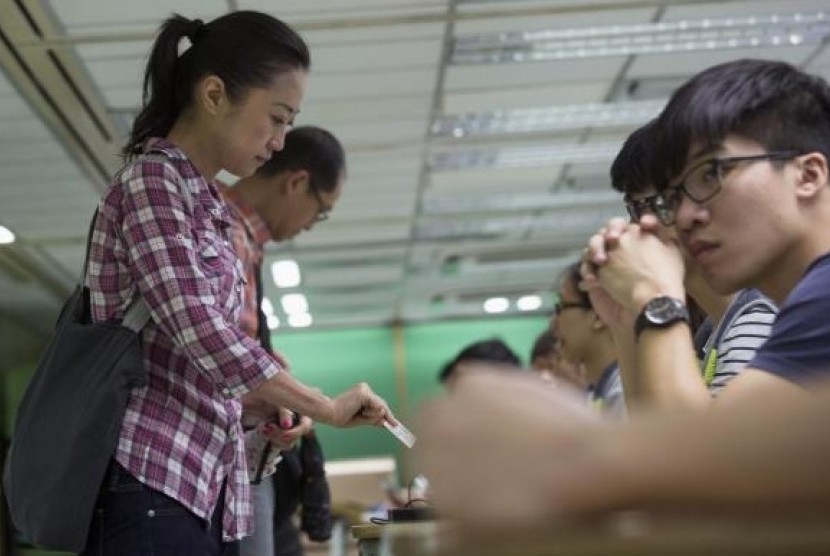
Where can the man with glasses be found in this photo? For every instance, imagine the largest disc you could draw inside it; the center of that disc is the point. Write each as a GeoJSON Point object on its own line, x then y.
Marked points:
{"type": "Point", "coordinates": [294, 190]}
{"type": "Point", "coordinates": [586, 341]}
{"type": "Point", "coordinates": [751, 207]}
{"type": "Point", "coordinates": [737, 324]}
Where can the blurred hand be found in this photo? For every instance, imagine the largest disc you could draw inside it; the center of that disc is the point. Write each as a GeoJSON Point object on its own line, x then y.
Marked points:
{"type": "Point", "coordinates": [503, 452]}
{"type": "Point", "coordinates": [285, 438]}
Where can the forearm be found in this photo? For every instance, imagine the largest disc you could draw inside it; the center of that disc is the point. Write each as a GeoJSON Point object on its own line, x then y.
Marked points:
{"type": "Point", "coordinates": [669, 374]}
{"type": "Point", "coordinates": [285, 391]}
{"type": "Point", "coordinates": [770, 450]}
{"type": "Point", "coordinates": [627, 359]}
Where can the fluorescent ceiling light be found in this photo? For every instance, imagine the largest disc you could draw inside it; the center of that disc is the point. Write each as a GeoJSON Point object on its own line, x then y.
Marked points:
{"type": "Point", "coordinates": [572, 223]}
{"type": "Point", "coordinates": [529, 303]}
{"type": "Point", "coordinates": [294, 303]}
{"type": "Point", "coordinates": [6, 236]}
{"type": "Point", "coordinates": [521, 157]}
{"type": "Point", "coordinates": [791, 29]}
{"type": "Point", "coordinates": [548, 118]}
{"type": "Point", "coordinates": [435, 205]}
{"type": "Point", "coordinates": [273, 321]}
{"type": "Point", "coordinates": [267, 306]}
{"type": "Point", "coordinates": [496, 305]}
{"type": "Point", "coordinates": [286, 273]}
{"type": "Point", "coordinates": [300, 320]}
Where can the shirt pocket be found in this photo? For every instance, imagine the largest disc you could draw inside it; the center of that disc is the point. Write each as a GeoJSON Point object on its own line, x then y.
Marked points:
{"type": "Point", "coordinates": [208, 246]}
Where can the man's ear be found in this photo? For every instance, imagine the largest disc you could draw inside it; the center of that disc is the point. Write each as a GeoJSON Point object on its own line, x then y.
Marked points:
{"type": "Point", "coordinates": [211, 95]}
{"type": "Point", "coordinates": [813, 175]}
{"type": "Point", "coordinates": [297, 181]}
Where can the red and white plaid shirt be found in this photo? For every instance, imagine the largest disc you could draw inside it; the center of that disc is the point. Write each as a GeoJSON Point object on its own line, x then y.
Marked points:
{"type": "Point", "coordinates": [249, 234]}
{"type": "Point", "coordinates": [182, 433]}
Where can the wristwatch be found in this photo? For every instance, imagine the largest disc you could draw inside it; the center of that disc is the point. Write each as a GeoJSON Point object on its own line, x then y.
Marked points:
{"type": "Point", "coordinates": [661, 312]}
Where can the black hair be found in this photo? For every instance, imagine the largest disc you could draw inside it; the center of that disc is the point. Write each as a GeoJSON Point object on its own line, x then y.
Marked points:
{"type": "Point", "coordinates": [770, 102]}
{"type": "Point", "coordinates": [573, 275]}
{"type": "Point", "coordinates": [544, 345]}
{"type": "Point", "coordinates": [492, 350]}
{"type": "Point", "coordinates": [313, 149]}
{"type": "Point", "coordinates": [244, 48]}
{"type": "Point", "coordinates": [629, 171]}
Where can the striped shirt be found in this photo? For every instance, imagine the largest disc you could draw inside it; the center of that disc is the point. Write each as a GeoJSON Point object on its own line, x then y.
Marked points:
{"type": "Point", "coordinates": [750, 316]}
{"type": "Point", "coordinates": [161, 231]}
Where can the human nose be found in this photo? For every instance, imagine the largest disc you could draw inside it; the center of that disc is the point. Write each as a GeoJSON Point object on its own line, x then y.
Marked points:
{"type": "Point", "coordinates": [278, 141]}
{"type": "Point", "coordinates": [688, 212]}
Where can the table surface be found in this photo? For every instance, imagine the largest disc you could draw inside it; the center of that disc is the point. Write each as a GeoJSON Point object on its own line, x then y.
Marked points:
{"type": "Point", "coordinates": [623, 534]}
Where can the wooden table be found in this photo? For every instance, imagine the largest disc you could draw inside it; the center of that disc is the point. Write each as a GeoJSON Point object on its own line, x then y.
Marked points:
{"type": "Point", "coordinates": [624, 534]}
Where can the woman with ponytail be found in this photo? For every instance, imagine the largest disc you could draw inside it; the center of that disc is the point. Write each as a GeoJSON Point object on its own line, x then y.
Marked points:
{"type": "Point", "coordinates": [217, 95]}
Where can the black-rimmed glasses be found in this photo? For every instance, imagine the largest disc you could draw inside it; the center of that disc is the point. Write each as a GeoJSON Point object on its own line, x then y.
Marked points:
{"type": "Point", "coordinates": [705, 179]}
{"type": "Point", "coordinates": [653, 204]}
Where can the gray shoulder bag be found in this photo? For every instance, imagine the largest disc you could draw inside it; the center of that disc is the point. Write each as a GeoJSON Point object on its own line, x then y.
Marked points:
{"type": "Point", "coordinates": [69, 420]}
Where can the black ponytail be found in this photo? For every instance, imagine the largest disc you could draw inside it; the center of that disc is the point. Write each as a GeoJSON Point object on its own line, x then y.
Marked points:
{"type": "Point", "coordinates": [245, 49]}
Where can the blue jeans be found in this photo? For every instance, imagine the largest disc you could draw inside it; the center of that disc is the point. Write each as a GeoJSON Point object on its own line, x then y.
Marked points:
{"type": "Point", "coordinates": [132, 519]}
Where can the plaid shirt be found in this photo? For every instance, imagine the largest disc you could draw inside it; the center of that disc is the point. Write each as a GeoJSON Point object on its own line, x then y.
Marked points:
{"type": "Point", "coordinates": [249, 234]}
{"type": "Point", "coordinates": [182, 432]}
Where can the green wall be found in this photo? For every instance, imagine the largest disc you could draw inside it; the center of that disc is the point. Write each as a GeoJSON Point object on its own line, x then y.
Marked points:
{"type": "Point", "coordinates": [400, 364]}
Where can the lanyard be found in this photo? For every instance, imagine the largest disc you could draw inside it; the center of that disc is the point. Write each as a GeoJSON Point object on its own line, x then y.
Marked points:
{"type": "Point", "coordinates": [710, 366]}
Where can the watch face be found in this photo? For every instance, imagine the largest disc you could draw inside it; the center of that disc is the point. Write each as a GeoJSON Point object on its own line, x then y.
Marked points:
{"type": "Point", "coordinates": [662, 310]}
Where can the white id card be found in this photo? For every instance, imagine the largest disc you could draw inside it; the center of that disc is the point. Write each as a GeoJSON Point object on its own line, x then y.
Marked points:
{"type": "Point", "coordinates": [401, 433]}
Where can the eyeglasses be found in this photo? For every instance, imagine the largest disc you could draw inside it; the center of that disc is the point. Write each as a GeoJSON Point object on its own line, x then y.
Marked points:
{"type": "Point", "coordinates": [653, 204]}
{"type": "Point", "coordinates": [563, 305]}
{"type": "Point", "coordinates": [323, 209]}
{"type": "Point", "coordinates": [705, 180]}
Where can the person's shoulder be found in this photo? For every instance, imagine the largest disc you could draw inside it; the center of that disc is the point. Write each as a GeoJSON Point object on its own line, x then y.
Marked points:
{"type": "Point", "coordinates": [813, 287]}
{"type": "Point", "coordinates": [816, 274]}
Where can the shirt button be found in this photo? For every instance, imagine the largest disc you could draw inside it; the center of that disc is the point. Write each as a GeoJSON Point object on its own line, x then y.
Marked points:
{"type": "Point", "coordinates": [151, 513]}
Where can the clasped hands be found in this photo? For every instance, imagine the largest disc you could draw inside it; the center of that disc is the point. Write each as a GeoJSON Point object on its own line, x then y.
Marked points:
{"type": "Point", "coordinates": [625, 265]}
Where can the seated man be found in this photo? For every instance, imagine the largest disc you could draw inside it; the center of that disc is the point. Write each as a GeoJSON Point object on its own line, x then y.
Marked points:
{"type": "Point", "coordinates": [737, 323]}
{"type": "Point", "coordinates": [546, 358]}
{"type": "Point", "coordinates": [492, 350]}
{"type": "Point", "coordinates": [751, 205]}
{"type": "Point", "coordinates": [586, 340]}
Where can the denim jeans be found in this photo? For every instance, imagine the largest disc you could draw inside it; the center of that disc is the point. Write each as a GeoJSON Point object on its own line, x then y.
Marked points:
{"type": "Point", "coordinates": [132, 519]}
{"type": "Point", "coordinates": [261, 543]}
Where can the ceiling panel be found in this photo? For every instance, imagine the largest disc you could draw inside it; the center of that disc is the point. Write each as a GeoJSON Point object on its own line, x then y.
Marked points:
{"type": "Point", "coordinates": [662, 65]}
{"type": "Point", "coordinates": [486, 76]}
{"type": "Point", "coordinates": [558, 20]}
{"type": "Point", "coordinates": [410, 239]}
{"type": "Point", "coordinates": [94, 16]}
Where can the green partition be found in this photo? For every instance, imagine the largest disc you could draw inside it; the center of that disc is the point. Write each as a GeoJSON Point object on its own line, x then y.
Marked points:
{"type": "Point", "coordinates": [335, 360]}
{"type": "Point", "coordinates": [400, 364]}
{"type": "Point", "coordinates": [430, 346]}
